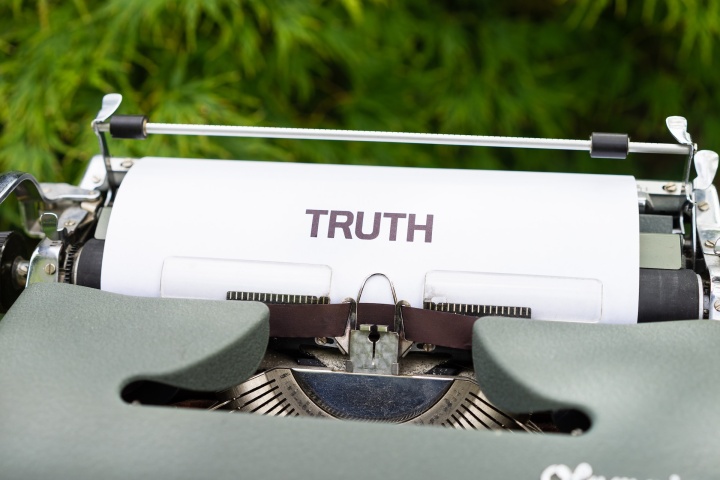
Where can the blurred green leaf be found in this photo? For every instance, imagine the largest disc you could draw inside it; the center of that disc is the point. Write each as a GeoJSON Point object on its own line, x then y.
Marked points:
{"type": "Point", "coordinates": [525, 68]}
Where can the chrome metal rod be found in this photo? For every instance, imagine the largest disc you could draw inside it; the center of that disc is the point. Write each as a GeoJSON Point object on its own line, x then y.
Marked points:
{"type": "Point", "coordinates": [396, 137]}
{"type": "Point", "coordinates": [664, 148]}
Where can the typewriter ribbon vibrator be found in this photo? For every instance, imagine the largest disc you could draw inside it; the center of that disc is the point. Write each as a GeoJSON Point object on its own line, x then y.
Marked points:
{"type": "Point", "coordinates": [374, 276]}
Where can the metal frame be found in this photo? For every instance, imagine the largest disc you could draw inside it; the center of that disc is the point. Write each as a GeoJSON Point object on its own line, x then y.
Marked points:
{"type": "Point", "coordinates": [105, 173]}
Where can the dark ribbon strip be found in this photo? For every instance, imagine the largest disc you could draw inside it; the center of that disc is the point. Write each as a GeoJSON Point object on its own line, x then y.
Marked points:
{"type": "Point", "coordinates": [289, 320]}
{"type": "Point", "coordinates": [439, 328]}
{"type": "Point", "coordinates": [421, 326]}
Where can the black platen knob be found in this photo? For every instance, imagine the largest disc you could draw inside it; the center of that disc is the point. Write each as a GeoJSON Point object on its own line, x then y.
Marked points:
{"type": "Point", "coordinates": [13, 253]}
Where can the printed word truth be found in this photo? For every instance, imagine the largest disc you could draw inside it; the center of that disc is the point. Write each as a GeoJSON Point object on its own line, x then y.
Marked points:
{"type": "Point", "coordinates": [345, 224]}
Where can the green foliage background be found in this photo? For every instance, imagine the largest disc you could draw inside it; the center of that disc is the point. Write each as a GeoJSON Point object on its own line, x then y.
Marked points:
{"type": "Point", "coordinates": [516, 67]}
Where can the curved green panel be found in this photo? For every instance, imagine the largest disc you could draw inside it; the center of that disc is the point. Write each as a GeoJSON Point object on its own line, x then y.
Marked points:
{"type": "Point", "coordinates": [65, 352]}
{"type": "Point", "coordinates": [652, 390]}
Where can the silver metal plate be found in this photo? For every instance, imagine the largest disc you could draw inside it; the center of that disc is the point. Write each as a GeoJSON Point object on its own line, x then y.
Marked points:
{"type": "Point", "coordinates": [455, 402]}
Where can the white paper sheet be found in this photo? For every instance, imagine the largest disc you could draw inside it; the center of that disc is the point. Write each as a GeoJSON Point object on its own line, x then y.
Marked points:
{"type": "Point", "coordinates": [558, 225]}
{"type": "Point", "coordinates": [210, 278]}
{"type": "Point", "coordinates": [550, 298]}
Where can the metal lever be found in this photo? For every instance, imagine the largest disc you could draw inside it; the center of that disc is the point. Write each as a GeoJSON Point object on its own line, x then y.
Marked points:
{"type": "Point", "coordinates": [706, 166]}
{"type": "Point", "coordinates": [34, 200]}
{"type": "Point", "coordinates": [49, 225]}
{"type": "Point", "coordinates": [110, 104]}
{"type": "Point", "coordinates": [678, 128]}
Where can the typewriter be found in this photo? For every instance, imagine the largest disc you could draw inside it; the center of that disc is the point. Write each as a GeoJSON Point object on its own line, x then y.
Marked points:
{"type": "Point", "coordinates": [192, 318]}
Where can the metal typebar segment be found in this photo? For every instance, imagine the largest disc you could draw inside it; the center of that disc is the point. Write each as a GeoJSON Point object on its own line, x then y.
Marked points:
{"type": "Point", "coordinates": [396, 137]}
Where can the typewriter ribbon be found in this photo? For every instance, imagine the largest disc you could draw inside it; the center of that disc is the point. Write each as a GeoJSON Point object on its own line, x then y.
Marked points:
{"type": "Point", "coordinates": [565, 246]}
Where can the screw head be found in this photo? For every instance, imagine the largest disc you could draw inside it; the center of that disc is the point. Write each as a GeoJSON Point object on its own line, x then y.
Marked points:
{"type": "Point", "coordinates": [709, 243]}
{"type": "Point", "coordinates": [50, 269]}
{"type": "Point", "coordinates": [703, 206]}
{"type": "Point", "coordinates": [670, 187]}
{"type": "Point", "coordinates": [127, 164]}
{"type": "Point", "coordinates": [69, 223]}
{"type": "Point", "coordinates": [428, 347]}
{"type": "Point", "coordinates": [321, 340]}
{"type": "Point", "coordinates": [95, 179]}
{"type": "Point", "coordinates": [717, 305]}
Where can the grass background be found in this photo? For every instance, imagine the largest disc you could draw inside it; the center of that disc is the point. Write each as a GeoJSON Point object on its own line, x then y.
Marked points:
{"type": "Point", "coordinates": [517, 67]}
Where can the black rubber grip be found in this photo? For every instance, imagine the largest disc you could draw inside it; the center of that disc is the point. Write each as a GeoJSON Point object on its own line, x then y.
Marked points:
{"type": "Point", "coordinates": [128, 126]}
{"type": "Point", "coordinates": [668, 295]}
{"type": "Point", "coordinates": [89, 264]}
{"type": "Point", "coordinates": [609, 145]}
{"type": "Point", "coordinates": [12, 246]}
